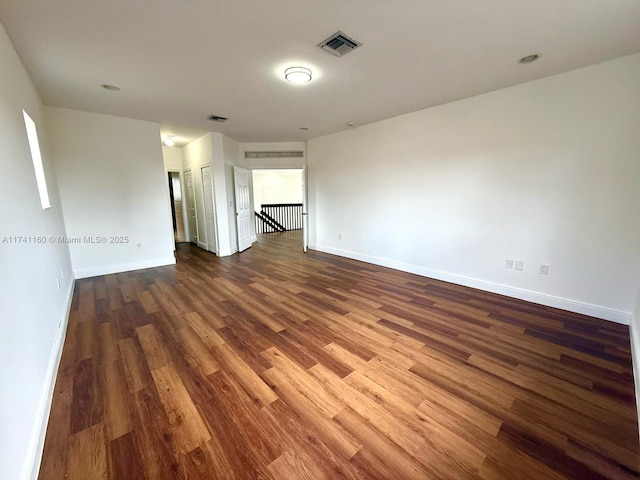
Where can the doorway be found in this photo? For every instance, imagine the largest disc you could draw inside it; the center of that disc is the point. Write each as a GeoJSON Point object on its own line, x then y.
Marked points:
{"type": "Point", "coordinates": [279, 204]}
{"type": "Point", "coordinates": [177, 210]}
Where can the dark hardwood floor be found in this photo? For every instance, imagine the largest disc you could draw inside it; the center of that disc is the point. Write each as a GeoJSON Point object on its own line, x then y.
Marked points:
{"type": "Point", "coordinates": [272, 364]}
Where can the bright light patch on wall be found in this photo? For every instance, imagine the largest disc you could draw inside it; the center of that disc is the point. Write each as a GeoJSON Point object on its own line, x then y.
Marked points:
{"type": "Point", "coordinates": [34, 146]}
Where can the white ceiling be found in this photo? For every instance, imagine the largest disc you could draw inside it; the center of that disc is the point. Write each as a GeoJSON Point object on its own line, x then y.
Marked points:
{"type": "Point", "coordinates": [178, 61]}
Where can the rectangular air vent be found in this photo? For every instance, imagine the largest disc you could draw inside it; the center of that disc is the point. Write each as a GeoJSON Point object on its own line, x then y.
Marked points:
{"type": "Point", "coordinates": [216, 118]}
{"type": "Point", "coordinates": [286, 154]}
{"type": "Point", "coordinates": [339, 44]}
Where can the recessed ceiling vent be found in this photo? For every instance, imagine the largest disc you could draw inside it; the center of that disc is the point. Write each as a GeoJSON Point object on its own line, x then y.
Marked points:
{"type": "Point", "coordinates": [271, 154]}
{"type": "Point", "coordinates": [216, 118]}
{"type": "Point", "coordinates": [339, 44]}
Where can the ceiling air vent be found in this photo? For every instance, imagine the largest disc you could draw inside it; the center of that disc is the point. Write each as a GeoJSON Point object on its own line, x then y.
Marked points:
{"type": "Point", "coordinates": [339, 44]}
{"type": "Point", "coordinates": [271, 154]}
{"type": "Point", "coordinates": [216, 118]}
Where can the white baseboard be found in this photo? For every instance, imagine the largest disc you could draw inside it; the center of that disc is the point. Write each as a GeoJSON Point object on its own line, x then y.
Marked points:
{"type": "Point", "coordinates": [203, 245]}
{"type": "Point", "coordinates": [635, 355]}
{"type": "Point", "coordinates": [36, 445]}
{"type": "Point", "coordinates": [617, 316]}
{"type": "Point", "coordinates": [123, 267]}
{"type": "Point", "coordinates": [225, 252]}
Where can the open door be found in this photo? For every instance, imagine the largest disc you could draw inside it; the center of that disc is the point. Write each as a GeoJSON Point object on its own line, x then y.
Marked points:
{"type": "Point", "coordinates": [305, 213]}
{"type": "Point", "coordinates": [243, 207]}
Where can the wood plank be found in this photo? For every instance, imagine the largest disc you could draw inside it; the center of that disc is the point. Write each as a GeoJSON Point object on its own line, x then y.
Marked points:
{"type": "Point", "coordinates": [250, 381]}
{"type": "Point", "coordinates": [135, 365]}
{"type": "Point", "coordinates": [124, 458]}
{"type": "Point", "coordinates": [184, 419]}
{"type": "Point", "coordinates": [331, 434]}
{"type": "Point", "coordinates": [199, 351]}
{"type": "Point", "coordinates": [87, 405]}
{"type": "Point", "coordinates": [87, 455]}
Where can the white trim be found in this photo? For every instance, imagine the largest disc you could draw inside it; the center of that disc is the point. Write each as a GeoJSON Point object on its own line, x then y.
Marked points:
{"type": "Point", "coordinates": [617, 316]}
{"type": "Point", "coordinates": [185, 214]}
{"type": "Point", "coordinates": [635, 356]}
{"type": "Point", "coordinates": [254, 238]}
{"type": "Point", "coordinates": [123, 267]}
{"type": "Point", "coordinates": [36, 445]}
{"type": "Point", "coordinates": [227, 252]}
{"type": "Point", "coordinates": [203, 245]}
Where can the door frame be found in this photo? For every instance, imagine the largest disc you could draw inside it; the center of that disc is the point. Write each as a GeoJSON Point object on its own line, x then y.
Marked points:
{"type": "Point", "coordinates": [185, 214]}
{"type": "Point", "coordinates": [305, 207]}
{"type": "Point", "coordinates": [305, 210]}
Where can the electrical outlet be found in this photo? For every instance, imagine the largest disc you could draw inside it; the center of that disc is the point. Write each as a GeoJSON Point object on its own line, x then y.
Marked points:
{"type": "Point", "coordinates": [544, 269]}
{"type": "Point", "coordinates": [519, 265]}
{"type": "Point", "coordinates": [508, 264]}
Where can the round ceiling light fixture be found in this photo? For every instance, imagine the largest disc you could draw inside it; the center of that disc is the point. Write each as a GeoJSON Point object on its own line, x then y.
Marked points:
{"type": "Point", "coordinates": [168, 141]}
{"type": "Point", "coordinates": [529, 58]}
{"type": "Point", "coordinates": [297, 75]}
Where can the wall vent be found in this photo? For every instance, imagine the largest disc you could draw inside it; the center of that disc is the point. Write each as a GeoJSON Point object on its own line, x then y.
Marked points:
{"type": "Point", "coordinates": [216, 118]}
{"type": "Point", "coordinates": [270, 154]}
{"type": "Point", "coordinates": [339, 44]}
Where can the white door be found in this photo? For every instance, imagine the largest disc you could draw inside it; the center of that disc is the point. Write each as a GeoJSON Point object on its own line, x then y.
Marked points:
{"type": "Point", "coordinates": [305, 213]}
{"type": "Point", "coordinates": [243, 207]}
{"type": "Point", "coordinates": [209, 210]}
{"type": "Point", "coordinates": [192, 222]}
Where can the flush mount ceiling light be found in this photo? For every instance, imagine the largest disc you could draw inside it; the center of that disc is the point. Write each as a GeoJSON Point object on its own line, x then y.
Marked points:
{"type": "Point", "coordinates": [297, 75]}
{"type": "Point", "coordinates": [110, 87]}
{"type": "Point", "coordinates": [529, 58]}
{"type": "Point", "coordinates": [168, 141]}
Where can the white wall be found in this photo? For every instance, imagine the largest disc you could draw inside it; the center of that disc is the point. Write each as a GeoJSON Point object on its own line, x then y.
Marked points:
{"type": "Point", "coordinates": [172, 157]}
{"type": "Point", "coordinates": [546, 172]}
{"type": "Point", "coordinates": [277, 186]}
{"type": "Point", "coordinates": [196, 155]}
{"type": "Point", "coordinates": [269, 163]}
{"type": "Point", "coordinates": [231, 153]}
{"type": "Point", "coordinates": [33, 312]}
{"type": "Point", "coordinates": [113, 185]}
{"type": "Point", "coordinates": [220, 193]}
{"type": "Point", "coordinates": [221, 153]}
